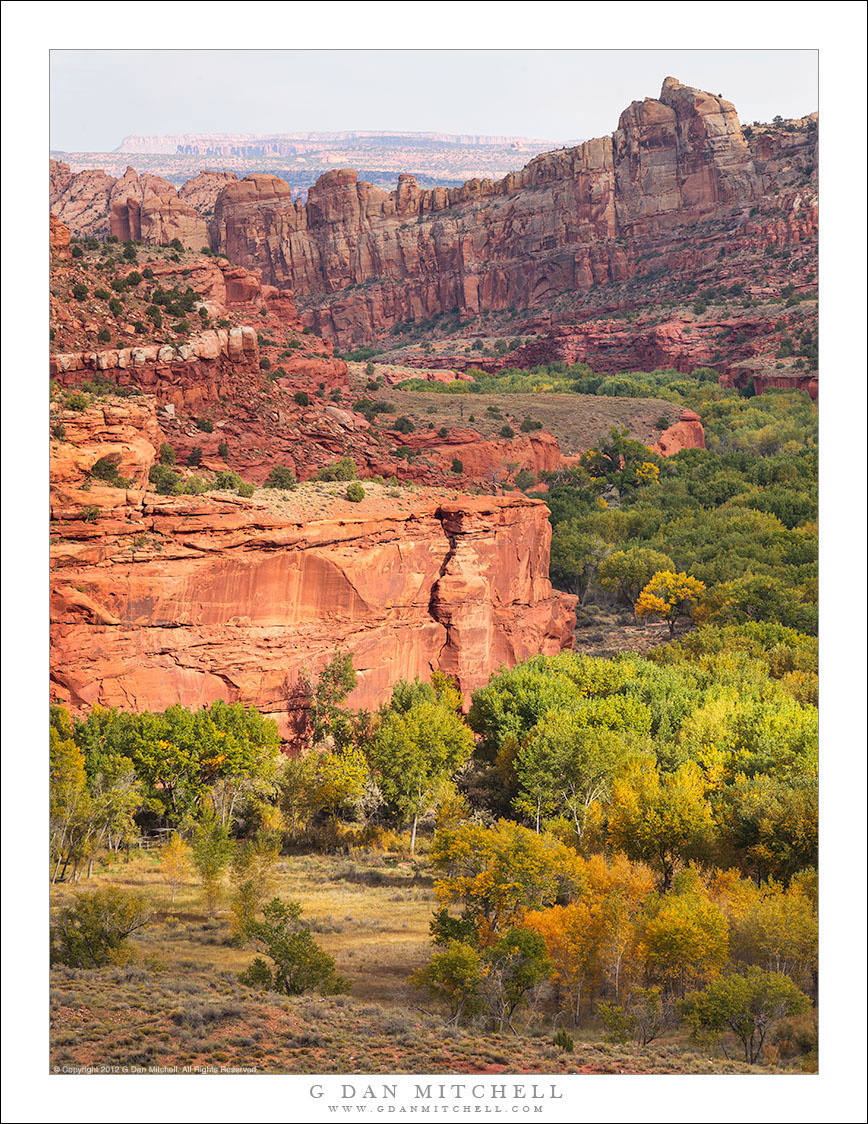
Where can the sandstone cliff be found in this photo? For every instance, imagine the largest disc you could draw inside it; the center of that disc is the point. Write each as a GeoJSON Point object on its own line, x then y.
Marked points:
{"type": "Point", "coordinates": [361, 260]}
{"type": "Point", "coordinates": [157, 600]}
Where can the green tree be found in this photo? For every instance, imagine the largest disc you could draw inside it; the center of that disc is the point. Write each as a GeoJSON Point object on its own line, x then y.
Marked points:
{"type": "Point", "coordinates": [625, 573]}
{"type": "Point", "coordinates": [575, 558]}
{"type": "Point", "coordinates": [454, 977]}
{"type": "Point", "coordinates": [212, 852]}
{"type": "Point", "coordinates": [747, 1005]}
{"type": "Point", "coordinates": [565, 766]}
{"type": "Point", "coordinates": [414, 753]}
{"type": "Point", "coordinates": [329, 719]}
{"type": "Point", "coordinates": [298, 963]}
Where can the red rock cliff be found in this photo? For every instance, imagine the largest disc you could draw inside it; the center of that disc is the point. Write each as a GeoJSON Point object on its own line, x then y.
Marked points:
{"type": "Point", "coordinates": [569, 220]}
{"type": "Point", "coordinates": [157, 600]}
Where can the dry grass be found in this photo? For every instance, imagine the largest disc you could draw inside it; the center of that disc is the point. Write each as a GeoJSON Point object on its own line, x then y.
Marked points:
{"type": "Point", "coordinates": [179, 1004]}
{"type": "Point", "coordinates": [579, 421]}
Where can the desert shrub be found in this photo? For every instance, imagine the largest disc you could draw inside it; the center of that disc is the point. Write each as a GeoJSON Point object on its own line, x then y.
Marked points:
{"type": "Point", "coordinates": [265, 364]}
{"type": "Point", "coordinates": [227, 481]}
{"type": "Point", "coordinates": [525, 479]}
{"type": "Point", "coordinates": [116, 306]}
{"type": "Point", "coordinates": [164, 478]}
{"type": "Point", "coordinates": [93, 931]}
{"type": "Point", "coordinates": [194, 457]}
{"type": "Point", "coordinates": [343, 469]}
{"type": "Point", "coordinates": [302, 398]}
{"type": "Point", "coordinates": [223, 450]}
{"type": "Point", "coordinates": [76, 402]}
{"type": "Point", "coordinates": [77, 252]}
{"type": "Point", "coordinates": [104, 335]}
{"type": "Point", "coordinates": [246, 490]}
{"type": "Point", "coordinates": [166, 454]}
{"type": "Point", "coordinates": [404, 425]}
{"type": "Point", "coordinates": [355, 492]}
{"type": "Point", "coordinates": [90, 513]}
{"type": "Point", "coordinates": [106, 468]}
{"type": "Point", "coordinates": [564, 1041]}
{"type": "Point", "coordinates": [79, 291]}
{"type": "Point", "coordinates": [205, 424]}
{"type": "Point", "coordinates": [508, 432]}
{"type": "Point", "coordinates": [457, 466]}
{"type": "Point", "coordinates": [530, 426]}
{"type": "Point", "coordinates": [281, 476]}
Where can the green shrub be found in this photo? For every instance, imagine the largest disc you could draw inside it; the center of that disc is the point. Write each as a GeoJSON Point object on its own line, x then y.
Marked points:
{"type": "Point", "coordinates": [264, 364]}
{"type": "Point", "coordinates": [205, 424]}
{"type": "Point", "coordinates": [301, 398]}
{"type": "Point", "coordinates": [563, 1041]}
{"type": "Point", "coordinates": [227, 481]}
{"type": "Point", "coordinates": [115, 306]}
{"type": "Point", "coordinates": [404, 425]}
{"type": "Point", "coordinates": [79, 291]}
{"type": "Point", "coordinates": [164, 479]}
{"type": "Point", "coordinates": [223, 450]}
{"type": "Point", "coordinates": [93, 930]}
{"type": "Point", "coordinates": [166, 455]}
{"type": "Point", "coordinates": [246, 490]}
{"type": "Point", "coordinates": [343, 469]}
{"type": "Point", "coordinates": [458, 467]}
{"type": "Point", "coordinates": [355, 492]}
{"type": "Point", "coordinates": [507, 431]}
{"type": "Point", "coordinates": [281, 476]}
{"type": "Point", "coordinates": [77, 252]}
{"type": "Point", "coordinates": [194, 457]}
{"type": "Point", "coordinates": [77, 401]}
{"type": "Point", "coordinates": [90, 513]}
{"type": "Point", "coordinates": [102, 294]}
{"type": "Point", "coordinates": [104, 335]}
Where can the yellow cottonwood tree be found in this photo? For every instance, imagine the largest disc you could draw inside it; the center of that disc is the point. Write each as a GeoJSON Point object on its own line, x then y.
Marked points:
{"type": "Point", "coordinates": [670, 596]}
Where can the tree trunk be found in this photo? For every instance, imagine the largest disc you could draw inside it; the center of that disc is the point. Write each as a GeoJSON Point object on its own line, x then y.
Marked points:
{"type": "Point", "coordinates": [413, 835]}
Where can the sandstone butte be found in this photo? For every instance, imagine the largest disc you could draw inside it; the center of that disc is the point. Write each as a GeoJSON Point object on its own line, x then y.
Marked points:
{"type": "Point", "coordinates": [157, 600]}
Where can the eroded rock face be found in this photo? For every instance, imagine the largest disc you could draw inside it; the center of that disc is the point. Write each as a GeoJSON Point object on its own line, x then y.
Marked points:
{"type": "Point", "coordinates": [58, 239]}
{"type": "Point", "coordinates": [558, 225]}
{"type": "Point", "coordinates": [160, 600]}
{"type": "Point", "coordinates": [686, 433]}
{"type": "Point", "coordinates": [148, 209]}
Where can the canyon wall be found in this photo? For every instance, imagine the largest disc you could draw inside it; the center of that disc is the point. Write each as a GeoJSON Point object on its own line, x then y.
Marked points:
{"type": "Point", "coordinates": [674, 187]}
{"type": "Point", "coordinates": [362, 260]}
{"type": "Point", "coordinates": [157, 600]}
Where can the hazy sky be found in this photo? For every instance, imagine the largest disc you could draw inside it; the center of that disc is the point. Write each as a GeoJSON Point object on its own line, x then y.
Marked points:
{"type": "Point", "coordinates": [98, 97]}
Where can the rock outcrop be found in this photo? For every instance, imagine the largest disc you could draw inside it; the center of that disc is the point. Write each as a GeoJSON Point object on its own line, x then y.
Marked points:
{"type": "Point", "coordinates": [157, 600]}
{"type": "Point", "coordinates": [686, 433]}
{"type": "Point", "coordinates": [148, 209]}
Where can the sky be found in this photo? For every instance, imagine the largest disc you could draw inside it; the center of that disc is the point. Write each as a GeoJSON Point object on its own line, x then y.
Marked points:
{"type": "Point", "coordinates": [98, 97]}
